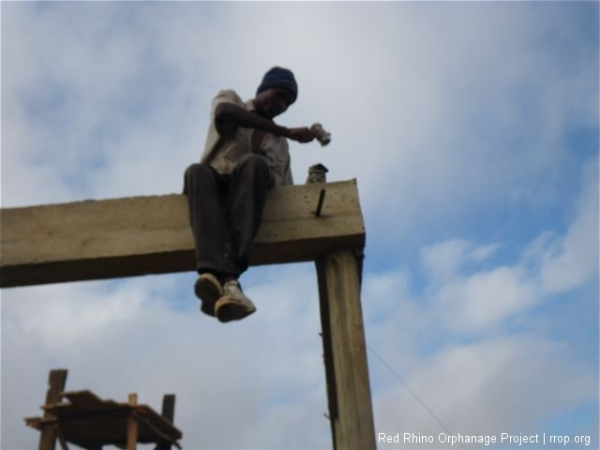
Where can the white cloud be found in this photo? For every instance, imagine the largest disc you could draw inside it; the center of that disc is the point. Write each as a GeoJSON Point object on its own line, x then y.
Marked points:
{"type": "Point", "coordinates": [444, 260]}
{"type": "Point", "coordinates": [486, 388]}
{"type": "Point", "coordinates": [53, 316]}
{"type": "Point", "coordinates": [470, 301]}
{"type": "Point", "coordinates": [573, 260]}
{"type": "Point", "coordinates": [484, 299]}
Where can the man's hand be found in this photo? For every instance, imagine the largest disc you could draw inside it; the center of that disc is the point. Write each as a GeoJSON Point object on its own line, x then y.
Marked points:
{"type": "Point", "coordinates": [303, 134]}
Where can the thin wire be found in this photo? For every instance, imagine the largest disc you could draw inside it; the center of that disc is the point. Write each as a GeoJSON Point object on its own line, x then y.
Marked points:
{"type": "Point", "coordinates": [413, 393]}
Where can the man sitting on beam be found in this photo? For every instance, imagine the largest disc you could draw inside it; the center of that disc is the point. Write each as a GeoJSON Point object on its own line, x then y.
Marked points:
{"type": "Point", "coordinates": [245, 155]}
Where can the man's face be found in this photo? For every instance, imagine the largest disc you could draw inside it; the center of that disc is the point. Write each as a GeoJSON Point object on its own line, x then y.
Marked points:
{"type": "Point", "coordinates": [273, 102]}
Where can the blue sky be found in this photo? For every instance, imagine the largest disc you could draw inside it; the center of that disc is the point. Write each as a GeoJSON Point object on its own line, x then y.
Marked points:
{"type": "Point", "coordinates": [472, 129]}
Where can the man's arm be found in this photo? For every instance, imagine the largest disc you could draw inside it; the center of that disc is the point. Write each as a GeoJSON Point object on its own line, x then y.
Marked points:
{"type": "Point", "coordinates": [229, 116]}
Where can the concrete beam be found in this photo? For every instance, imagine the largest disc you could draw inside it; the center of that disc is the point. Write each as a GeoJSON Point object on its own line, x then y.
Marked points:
{"type": "Point", "coordinates": [150, 235]}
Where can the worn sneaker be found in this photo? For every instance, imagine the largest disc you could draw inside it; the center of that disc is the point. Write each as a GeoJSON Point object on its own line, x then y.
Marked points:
{"type": "Point", "coordinates": [233, 305]}
{"type": "Point", "coordinates": [209, 290]}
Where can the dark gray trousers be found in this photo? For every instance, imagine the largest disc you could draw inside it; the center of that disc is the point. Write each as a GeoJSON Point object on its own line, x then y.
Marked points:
{"type": "Point", "coordinates": [225, 213]}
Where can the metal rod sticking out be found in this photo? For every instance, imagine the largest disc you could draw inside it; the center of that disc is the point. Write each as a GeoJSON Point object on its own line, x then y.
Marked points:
{"type": "Point", "coordinates": [320, 203]}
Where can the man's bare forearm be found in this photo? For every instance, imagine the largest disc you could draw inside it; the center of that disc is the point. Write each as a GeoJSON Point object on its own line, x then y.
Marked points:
{"type": "Point", "coordinates": [229, 116]}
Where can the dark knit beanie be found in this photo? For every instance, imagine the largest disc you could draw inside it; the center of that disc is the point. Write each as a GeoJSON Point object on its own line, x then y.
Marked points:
{"type": "Point", "coordinates": [278, 77]}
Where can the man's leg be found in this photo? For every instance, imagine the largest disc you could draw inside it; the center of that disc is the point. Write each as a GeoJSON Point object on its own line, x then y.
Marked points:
{"type": "Point", "coordinates": [206, 192]}
{"type": "Point", "coordinates": [248, 187]}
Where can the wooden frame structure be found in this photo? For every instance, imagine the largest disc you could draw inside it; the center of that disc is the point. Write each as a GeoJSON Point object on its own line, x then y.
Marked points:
{"type": "Point", "coordinates": [91, 423]}
{"type": "Point", "coordinates": [320, 222]}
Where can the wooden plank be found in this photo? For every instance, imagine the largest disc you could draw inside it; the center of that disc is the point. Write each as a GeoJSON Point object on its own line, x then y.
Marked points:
{"type": "Point", "coordinates": [158, 421]}
{"type": "Point", "coordinates": [168, 407]}
{"type": "Point", "coordinates": [62, 441]}
{"type": "Point", "coordinates": [32, 421]}
{"type": "Point", "coordinates": [87, 430]}
{"type": "Point", "coordinates": [132, 425]}
{"type": "Point", "coordinates": [108, 411]}
{"type": "Point", "coordinates": [56, 385]}
{"type": "Point", "coordinates": [98, 430]}
{"type": "Point", "coordinates": [168, 413]}
{"type": "Point", "coordinates": [149, 235]}
{"type": "Point", "coordinates": [82, 398]}
{"type": "Point", "coordinates": [352, 425]}
{"type": "Point", "coordinates": [65, 410]}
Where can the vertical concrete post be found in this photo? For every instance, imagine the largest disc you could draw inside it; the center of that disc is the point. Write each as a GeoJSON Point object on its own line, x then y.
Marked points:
{"type": "Point", "coordinates": [349, 392]}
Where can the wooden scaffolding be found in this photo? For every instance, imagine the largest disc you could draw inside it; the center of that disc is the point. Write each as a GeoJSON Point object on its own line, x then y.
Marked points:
{"type": "Point", "coordinates": [91, 423]}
